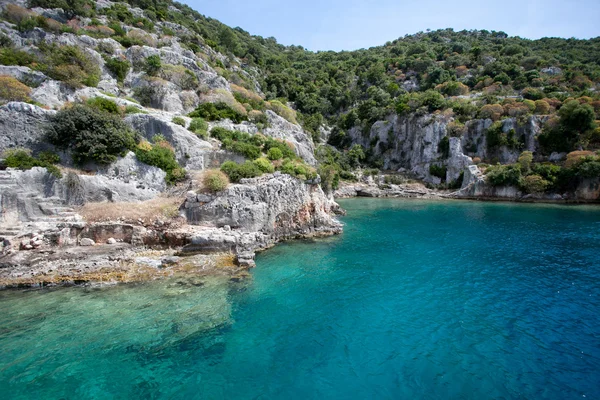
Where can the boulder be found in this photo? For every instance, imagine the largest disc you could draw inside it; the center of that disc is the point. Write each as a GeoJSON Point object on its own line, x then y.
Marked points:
{"type": "Point", "coordinates": [86, 242]}
{"type": "Point", "coordinates": [22, 125]}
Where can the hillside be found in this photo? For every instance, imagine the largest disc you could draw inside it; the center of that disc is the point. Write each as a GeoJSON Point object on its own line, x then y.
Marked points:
{"type": "Point", "coordinates": [428, 104]}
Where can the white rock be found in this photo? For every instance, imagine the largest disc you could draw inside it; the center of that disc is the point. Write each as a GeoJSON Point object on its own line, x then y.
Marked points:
{"type": "Point", "coordinates": [86, 242]}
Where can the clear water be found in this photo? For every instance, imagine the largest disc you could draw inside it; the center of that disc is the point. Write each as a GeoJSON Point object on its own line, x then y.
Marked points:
{"type": "Point", "coordinates": [428, 300]}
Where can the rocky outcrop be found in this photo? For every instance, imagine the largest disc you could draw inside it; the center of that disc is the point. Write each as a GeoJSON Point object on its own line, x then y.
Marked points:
{"type": "Point", "coordinates": [408, 143]}
{"type": "Point", "coordinates": [412, 143]}
{"type": "Point", "coordinates": [278, 128]}
{"type": "Point", "coordinates": [190, 150]}
{"type": "Point", "coordinates": [475, 186]}
{"type": "Point", "coordinates": [270, 208]}
{"type": "Point", "coordinates": [23, 74]}
{"type": "Point", "coordinates": [22, 125]}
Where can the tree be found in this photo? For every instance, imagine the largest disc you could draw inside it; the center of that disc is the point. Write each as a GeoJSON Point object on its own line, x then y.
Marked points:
{"type": "Point", "coordinates": [90, 134]}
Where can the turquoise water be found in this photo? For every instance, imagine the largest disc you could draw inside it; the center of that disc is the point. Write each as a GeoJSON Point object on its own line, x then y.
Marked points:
{"type": "Point", "coordinates": [417, 299]}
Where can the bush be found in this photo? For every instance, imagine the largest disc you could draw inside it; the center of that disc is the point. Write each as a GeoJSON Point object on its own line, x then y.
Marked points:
{"type": "Point", "coordinates": [118, 67]}
{"type": "Point", "coordinates": [264, 165]}
{"type": "Point", "coordinates": [217, 111]}
{"type": "Point", "coordinates": [104, 104]}
{"type": "Point", "coordinates": [215, 180]}
{"type": "Point", "coordinates": [491, 111]}
{"type": "Point", "coordinates": [248, 150]}
{"type": "Point", "coordinates": [282, 110]}
{"type": "Point", "coordinates": [286, 150]}
{"type": "Point", "coordinates": [444, 147]}
{"type": "Point", "coordinates": [274, 153]}
{"type": "Point", "coordinates": [504, 175]}
{"type": "Point", "coordinates": [534, 184]}
{"type": "Point", "coordinates": [13, 90]}
{"type": "Point", "coordinates": [70, 65]}
{"type": "Point", "coordinates": [90, 134]}
{"type": "Point", "coordinates": [22, 159]}
{"type": "Point", "coordinates": [438, 170]}
{"type": "Point", "coordinates": [542, 107]}
{"type": "Point", "coordinates": [238, 171]}
{"type": "Point", "coordinates": [179, 121]}
{"type": "Point", "coordinates": [160, 155]}
{"type": "Point", "coordinates": [152, 65]}
{"type": "Point", "coordinates": [525, 160]}
{"type": "Point", "coordinates": [199, 126]}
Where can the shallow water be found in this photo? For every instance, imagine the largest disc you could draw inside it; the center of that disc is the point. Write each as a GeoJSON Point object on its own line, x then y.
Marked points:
{"type": "Point", "coordinates": [417, 299]}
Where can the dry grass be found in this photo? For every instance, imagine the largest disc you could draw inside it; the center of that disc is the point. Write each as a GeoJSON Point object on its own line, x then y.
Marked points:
{"type": "Point", "coordinates": [157, 209]}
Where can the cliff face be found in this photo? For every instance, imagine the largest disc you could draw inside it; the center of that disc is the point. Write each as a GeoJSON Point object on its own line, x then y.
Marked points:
{"type": "Point", "coordinates": [274, 206]}
{"type": "Point", "coordinates": [412, 143]}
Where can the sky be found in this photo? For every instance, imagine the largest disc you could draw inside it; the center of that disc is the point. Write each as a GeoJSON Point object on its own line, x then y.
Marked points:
{"type": "Point", "coordinates": [355, 24]}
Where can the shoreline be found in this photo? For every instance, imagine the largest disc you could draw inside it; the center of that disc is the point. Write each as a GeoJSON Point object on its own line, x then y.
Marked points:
{"type": "Point", "coordinates": [146, 253]}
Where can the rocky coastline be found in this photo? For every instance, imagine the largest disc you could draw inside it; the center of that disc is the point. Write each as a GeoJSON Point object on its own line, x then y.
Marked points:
{"type": "Point", "coordinates": [211, 234]}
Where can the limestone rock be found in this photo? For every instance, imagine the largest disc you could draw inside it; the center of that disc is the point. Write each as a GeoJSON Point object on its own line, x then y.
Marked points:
{"type": "Point", "coordinates": [22, 125]}
{"type": "Point", "coordinates": [190, 150]}
{"type": "Point", "coordinates": [86, 242]}
{"type": "Point", "coordinates": [23, 74]}
{"type": "Point", "coordinates": [277, 205]}
{"type": "Point", "coordinates": [111, 241]}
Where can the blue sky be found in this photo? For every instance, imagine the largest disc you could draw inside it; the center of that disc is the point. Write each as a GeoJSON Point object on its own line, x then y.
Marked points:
{"type": "Point", "coordinates": [355, 24]}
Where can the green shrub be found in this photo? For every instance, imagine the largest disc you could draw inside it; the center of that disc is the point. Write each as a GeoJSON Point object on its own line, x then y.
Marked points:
{"type": "Point", "coordinates": [238, 171]}
{"type": "Point", "coordinates": [199, 126]}
{"type": "Point", "coordinates": [438, 171]}
{"type": "Point", "coordinates": [161, 155]}
{"type": "Point", "coordinates": [22, 159]}
{"type": "Point", "coordinates": [134, 110]}
{"type": "Point", "coordinates": [179, 121]}
{"type": "Point", "coordinates": [504, 175]}
{"type": "Point", "coordinates": [286, 150]}
{"type": "Point", "coordinates": [90, 134]}
{"type": "Point", "coordinates": [534, 184]}
{"type": "Point", "coordinates": [274, 153]}
{"type": "Point", "coordinates": [104, 104]}
{"type": "Point", "coordinates": [264, 165]}
{"type": "Point", "coordinates": [49, 157]}
{"type": "Point", "coordinates": [118, 67]}
{"type": "Point", "coordinates": [152, 65]}
{"type": "Point", "coordinates": [444, 147]}
{"type": "Point", "coordinates": [70, 65]}
{"type": "Point", "coordinates": [246, 149]}
{"type": "Point", "coordinates": [215, 180]}
{"type": "Point", "coordinates": [217, 111]}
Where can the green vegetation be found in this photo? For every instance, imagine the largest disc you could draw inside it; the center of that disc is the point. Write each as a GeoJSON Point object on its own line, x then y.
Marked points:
{"type": "Point", "coordinates": [91, 134]}
{"type": "Point", "coordinates": [118, 67]}
{"type": "Point", "coordinates": [160, 154]}
{"type": "Point", "coordinates": [252, 146]}
{"type": "Point", "coordinates": [179, 121]}
{"type": "Point", "coordinates": [438, 171]}
{"type": "Point", "coordinates": [22, 159]}
{"type": "Point", "coordinates": [103, 104]}
{"type": "Point", "coordinates": [199, 126]}
{"type": "Point", "coordinates": [152, 65]}
{"type": "Point", "coordinates": [217, 111]}
{"type": "Point", "coordinates": [540, 177]}
{"type": "Point", "coordinates": [236, 171]}
{"type": "Point", "coordinates": [215, 181]}
{"type": "Point", "coordinates": [69, 64]}
{"type": "Point", "coordinates": [13, 90]}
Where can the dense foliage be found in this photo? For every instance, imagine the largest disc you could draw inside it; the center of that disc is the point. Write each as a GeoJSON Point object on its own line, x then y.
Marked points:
{"type": "Point", "coordinates": [91, 134]}
{"type": "Point", "coordinates": [23, 160]}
